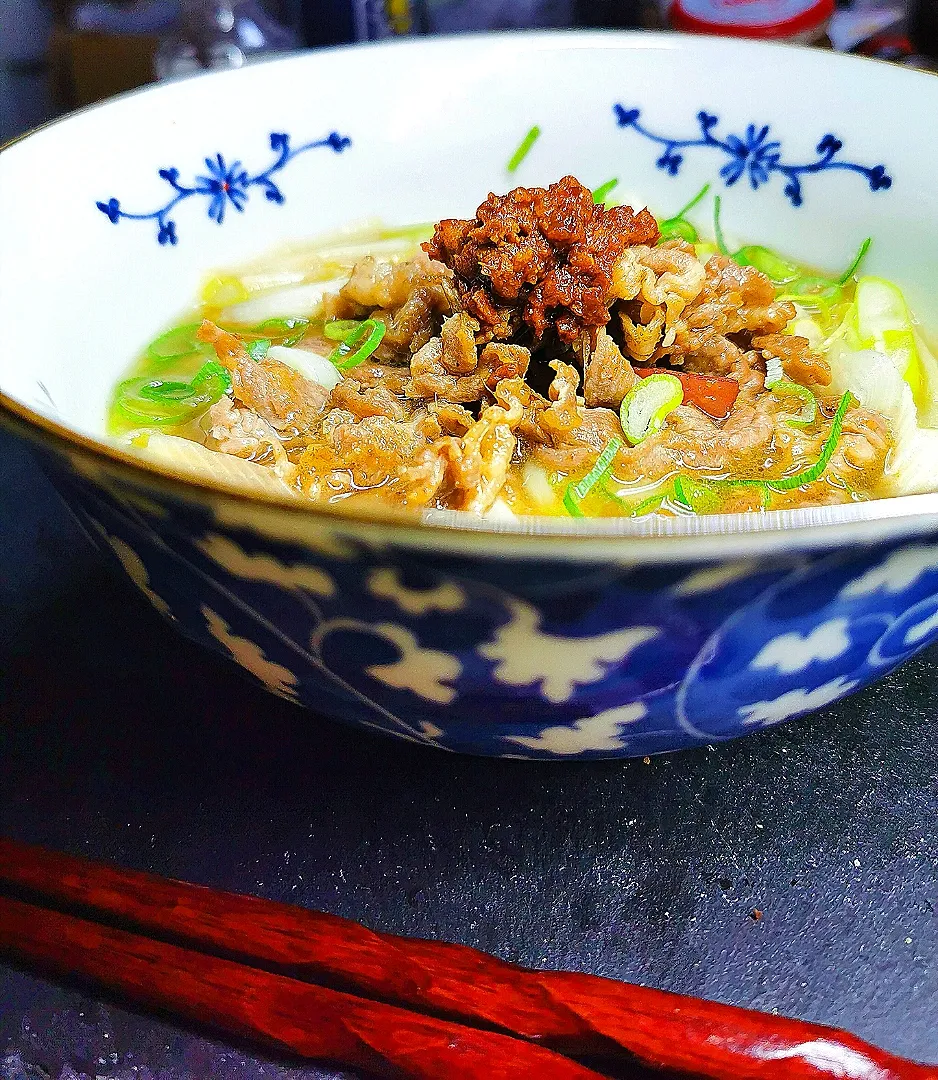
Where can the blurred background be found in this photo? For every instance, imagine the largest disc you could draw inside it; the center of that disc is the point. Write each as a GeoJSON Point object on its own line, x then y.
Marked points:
{"type": "Point", "coordinates": [57, 55]}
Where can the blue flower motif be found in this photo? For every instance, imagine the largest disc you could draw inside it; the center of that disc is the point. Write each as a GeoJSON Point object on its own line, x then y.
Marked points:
{"type": "Point", "coordinates": [223, 185]}
{"type": "Point", "coordinates": [626, 117]}
{"type": "Point", "coordinates": [112, 208]}
{"type": "Point", "coordinates": [829, 145]}
{"type": "Point", "coordinates": [753, 154]}
{"type": "Point", "coordinates": [879, 180]}
{"type": "Point", "coordinates": [227, 183]}
{"type": "Point", "coordinates": [670, 161]}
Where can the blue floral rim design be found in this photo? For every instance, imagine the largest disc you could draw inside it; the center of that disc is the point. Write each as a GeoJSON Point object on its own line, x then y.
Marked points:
{"type": "Point", "coordinates": [224, 184]}
{"type": "Point", "coordinates": [753, 155]}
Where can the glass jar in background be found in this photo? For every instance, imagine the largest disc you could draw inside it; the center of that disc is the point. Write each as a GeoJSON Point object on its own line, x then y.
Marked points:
{"type": "Point", "coordinates": [797, 22]}
{"type": "Point", "coordinates": [224, 34]}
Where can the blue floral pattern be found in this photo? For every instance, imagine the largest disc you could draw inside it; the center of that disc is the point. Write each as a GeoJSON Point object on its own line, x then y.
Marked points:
{"type": "Point", "coordinates": [548, 660]}
{"type": "Point", "coordinates": [753, 155]}
{"type": "Point", "coordinates": [222, 185]}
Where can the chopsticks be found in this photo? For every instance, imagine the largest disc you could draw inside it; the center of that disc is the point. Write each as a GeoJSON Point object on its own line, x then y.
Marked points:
{"type": "Point", "coordinates": [285, 1014]}
{"type": "Point", "coordinates": [403, 1007]}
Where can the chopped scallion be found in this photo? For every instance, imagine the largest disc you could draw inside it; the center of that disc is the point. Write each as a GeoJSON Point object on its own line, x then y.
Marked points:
{"type": "Point", "coordinates": [523, 149]}
{"type": "Point", "coordinates": [677, 227]}
{"type": "Point", "coordinates": [288, 331]}
{"type": "Point", "coordinates": [577, 492]}
{"type": "Point", "coordinates": [257, 349]}
{"type": "Point", "coordinates": [855, 265]}
{"type": "Point", "coordinates": [358, 345]}
{"type": "Point", "coordinates": [339, 329]}
{"type": "Point", "coordinates": [718, 228]}
{"type": "Point", "coordinates": [159, 401]}
{"type": "Point", "coordinates": [176, 343]}
{"type": "Point", "coordinates": [570, 503]}
{"type": "Point", "coordinates": [694, 201]}
{"type": "Point", "coordinates": [773, 372]}
{"type": "Point", "coordinates": [807, 412]}
{"type": "Point", "coordinates": [647, 405]}
{"type": "Point", "coordinates": [599, 195]}
{"type": "Point", "coordinates": [779, 270]}
{"type": "Point", "coordinates": [808, 476]}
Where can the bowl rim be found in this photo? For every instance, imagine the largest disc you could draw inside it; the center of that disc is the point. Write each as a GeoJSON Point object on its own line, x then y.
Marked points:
{"type": "Point", "coordinates": [648, 539]}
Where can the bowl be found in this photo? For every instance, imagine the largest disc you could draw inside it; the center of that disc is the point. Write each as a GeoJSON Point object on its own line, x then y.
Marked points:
{"type": "Point", "coordinates": [531, 638]}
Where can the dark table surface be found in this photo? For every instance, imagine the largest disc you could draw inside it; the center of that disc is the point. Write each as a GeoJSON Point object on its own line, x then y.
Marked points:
{"type": "Point", "coordinates": [121, 741]}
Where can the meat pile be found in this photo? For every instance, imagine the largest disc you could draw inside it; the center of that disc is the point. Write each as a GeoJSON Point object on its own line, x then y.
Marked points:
{"type": "Point", "coordinates": [490, 333]}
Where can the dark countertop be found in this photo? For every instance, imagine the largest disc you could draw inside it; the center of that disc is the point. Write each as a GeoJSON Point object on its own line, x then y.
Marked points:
{"type": "Point", "coordinates": [121, 741]}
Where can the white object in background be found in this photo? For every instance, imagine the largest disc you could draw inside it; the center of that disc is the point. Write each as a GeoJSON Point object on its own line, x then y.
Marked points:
{"type": "Point", "coordinates": [221, 34]}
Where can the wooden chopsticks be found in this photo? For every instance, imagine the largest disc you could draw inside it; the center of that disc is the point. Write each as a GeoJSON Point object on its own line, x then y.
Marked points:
{"type": "Point", "coordinates": [285, 1014]}
{"type": "Point", "coordinates": [393, 1006]}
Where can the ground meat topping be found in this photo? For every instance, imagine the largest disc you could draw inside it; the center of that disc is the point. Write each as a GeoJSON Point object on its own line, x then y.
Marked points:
{"type": "Point", "coordinates": [539, 257]}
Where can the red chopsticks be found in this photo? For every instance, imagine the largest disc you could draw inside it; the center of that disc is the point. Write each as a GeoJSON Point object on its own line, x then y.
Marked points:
{"type": "Point", "coordinates": [405, 1008]}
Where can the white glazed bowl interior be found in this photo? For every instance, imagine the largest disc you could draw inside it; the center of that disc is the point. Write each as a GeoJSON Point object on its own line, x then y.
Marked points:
{"type": "Point", "coordinates": [432, 124]}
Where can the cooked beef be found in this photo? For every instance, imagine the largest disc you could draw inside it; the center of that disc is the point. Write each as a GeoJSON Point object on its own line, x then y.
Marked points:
{"type": "Point", "coordinates": [291, 403]}
{"type": "Point", "coordinates": [480, 367]}
{"type": "Point", "coordinates": [609, 376]}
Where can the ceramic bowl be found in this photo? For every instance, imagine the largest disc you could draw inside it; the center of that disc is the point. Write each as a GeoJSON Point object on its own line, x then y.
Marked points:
{"type": "Point", "coordinates": [536, 638]}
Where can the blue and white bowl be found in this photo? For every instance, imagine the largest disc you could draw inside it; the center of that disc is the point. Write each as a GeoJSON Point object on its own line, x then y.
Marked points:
{"type": "Point", "coordinates": [536, 638]}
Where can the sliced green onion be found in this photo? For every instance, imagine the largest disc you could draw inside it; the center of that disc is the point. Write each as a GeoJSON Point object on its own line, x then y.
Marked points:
{"type": "Point", "coordinates": [577, 492]}
{"type": "Point", "coordinates": [158, 401]}
{"type": "Point", "coordinates": [718, 228]}
{"type": "Point", "coordinates": [773, 371]}
{"type": "Point", "coordinates": [417, 232]}
{"type": "Point", "coordinates": [647, 405]}
{"type": "Point", "coordinates": [257, 349]}
{"type": "Point", "coordinates": [648, 506]}
{"type": "Point", "coordinates": [289, 331]}
{"type": "Point", "coordinates": [679, 495]}
{"type": "Point", "coordinates": [855, 265]}
{"type": "Point", "coordinates": [339, 329]}
{"type": "Point", "coordinates": [690, 206]}
{"type": "Point", "coordinates": [677, 227]}
{"type": "Point", "coordinates": [572, 506]}
{"type": "Point", "coordinates": [813, 287]}
{"type": "Point", "coordinates": [705, 250]}
{"type": "Point", "coordinates": [224, 290]}
{"type": "Point", "coordinates": [523, 149]}
{"type": "Point", "coordinates": [696, 495]}
{"type": "Point", "coordinates": [807, 413]}
{"type": "Point", "coordinates": [358, 345]}
{"type": "Point", "coordinates": [176, 343]}
{"type": "Point", "coordinates": [808, 476]}
{"type": "Point", "coordinates": [599, 195]}
{"type": "Point", "coordinates": [780, 270]}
